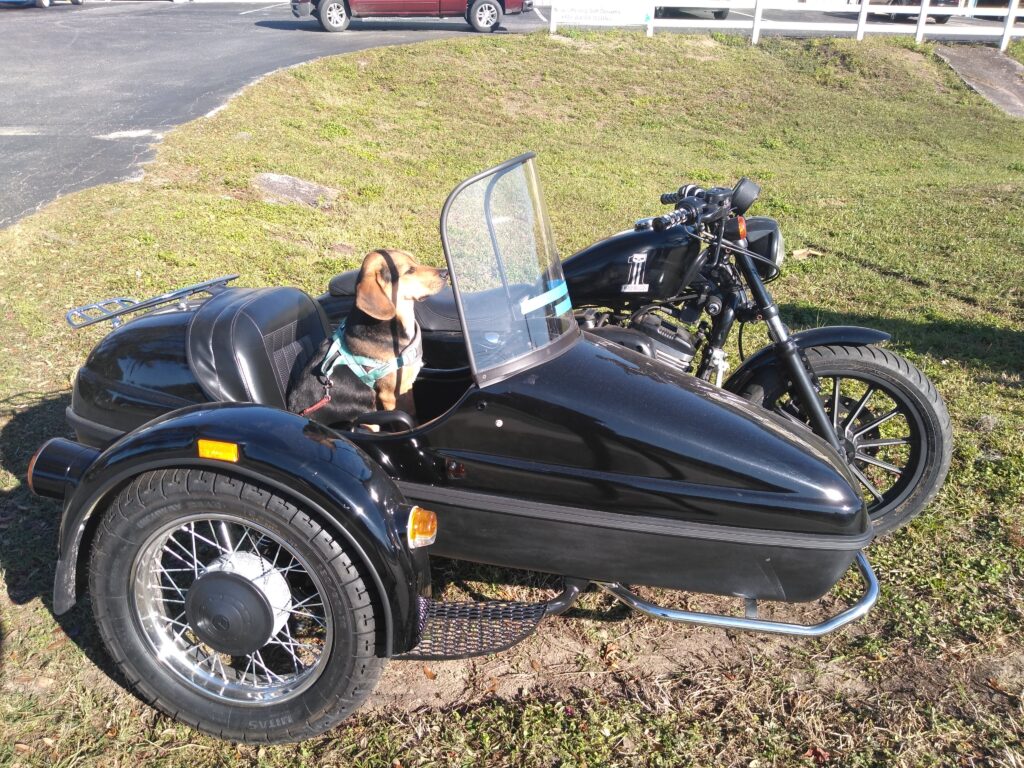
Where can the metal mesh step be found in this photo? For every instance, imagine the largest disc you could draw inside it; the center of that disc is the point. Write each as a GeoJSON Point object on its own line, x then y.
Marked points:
{"type": "Point", "coordinates": [461, 630]}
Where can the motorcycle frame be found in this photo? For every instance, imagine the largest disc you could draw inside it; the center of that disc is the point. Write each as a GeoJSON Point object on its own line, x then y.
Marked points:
{"type": "Point", "coordinates": [736, 305]}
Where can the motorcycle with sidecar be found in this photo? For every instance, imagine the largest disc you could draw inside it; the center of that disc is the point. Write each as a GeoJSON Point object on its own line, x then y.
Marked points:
{"type": "Point", "coordinates": [251, 570]}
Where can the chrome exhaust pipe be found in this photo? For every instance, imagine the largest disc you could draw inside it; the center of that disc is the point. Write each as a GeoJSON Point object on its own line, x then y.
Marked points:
{"type": "Point", "coordinates": [58, 465]}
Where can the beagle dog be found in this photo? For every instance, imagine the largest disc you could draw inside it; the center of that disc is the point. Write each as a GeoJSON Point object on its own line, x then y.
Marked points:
{"type": "Point", "coordinates": [373, 358]}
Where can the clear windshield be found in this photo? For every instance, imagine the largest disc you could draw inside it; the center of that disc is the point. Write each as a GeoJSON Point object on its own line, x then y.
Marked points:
{"type": "Point", "coordinates": [505, 270]}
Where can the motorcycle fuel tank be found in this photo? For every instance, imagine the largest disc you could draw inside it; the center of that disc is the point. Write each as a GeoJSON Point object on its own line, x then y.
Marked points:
{"type": "Point", "coordinates": [633, 268]}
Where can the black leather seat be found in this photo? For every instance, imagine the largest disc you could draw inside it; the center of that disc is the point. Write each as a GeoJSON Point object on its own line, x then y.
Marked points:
{"type": "Point", "coordinates": [243, 343]}
{"type": "Point", "coordinates": [438, 312]}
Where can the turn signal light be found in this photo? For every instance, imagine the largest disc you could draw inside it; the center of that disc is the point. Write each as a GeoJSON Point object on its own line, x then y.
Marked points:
{"type": "Point", "coordinates": [220, 451]}
{"type": "Point", "coordinates": [742, 224]}
{"type": "Point", "coordinates": [422, 529]}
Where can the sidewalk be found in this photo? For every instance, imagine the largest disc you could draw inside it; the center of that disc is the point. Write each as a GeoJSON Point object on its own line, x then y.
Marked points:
{"type": "Point", "coordinates": [994, 75]}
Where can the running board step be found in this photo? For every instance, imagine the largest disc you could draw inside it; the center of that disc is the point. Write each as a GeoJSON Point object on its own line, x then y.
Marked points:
{"type": "Point", "coordinates": [461, 630]}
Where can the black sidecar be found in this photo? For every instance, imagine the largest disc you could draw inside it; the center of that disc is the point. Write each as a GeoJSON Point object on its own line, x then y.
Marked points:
{"type": "Point", "coordinates": [250, 569]}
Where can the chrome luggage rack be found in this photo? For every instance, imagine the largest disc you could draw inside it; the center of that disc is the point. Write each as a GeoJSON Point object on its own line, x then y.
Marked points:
{"type": "Point", "coordinates": [114, 309]}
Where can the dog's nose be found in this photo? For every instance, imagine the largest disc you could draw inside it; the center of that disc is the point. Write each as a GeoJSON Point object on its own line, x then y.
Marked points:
{"type": "Point", "coordinates": [443, 274]}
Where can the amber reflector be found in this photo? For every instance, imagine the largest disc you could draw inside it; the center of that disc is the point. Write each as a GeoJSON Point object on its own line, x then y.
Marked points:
{"type": "Point", "coordinates": [422, 527]}
{"type": "Point", "coordinates": [742, 223]}
{"type": "Point", "coordinates": [215, 449]}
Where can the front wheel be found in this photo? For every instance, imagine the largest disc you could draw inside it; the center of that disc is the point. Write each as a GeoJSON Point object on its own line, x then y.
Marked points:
{"type": "Point", "coordinates": [333, 15]}
{"type": "Point", "coordinates": [891, 422]}
{"type": "Point", "coordinates": [941, 19]}
{"type": "Point", "coordinates": [227, 607]}
{"type": "Point", "coordinates": [721, 15]}
{"type": "Point", "coordinates": [485, 15]}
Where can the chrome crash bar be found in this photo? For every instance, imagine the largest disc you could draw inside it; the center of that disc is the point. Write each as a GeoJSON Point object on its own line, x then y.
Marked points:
{"type": "Point", "coordinates": [112, 309]}
{"type": "Point", "coordinates": [854, 612]}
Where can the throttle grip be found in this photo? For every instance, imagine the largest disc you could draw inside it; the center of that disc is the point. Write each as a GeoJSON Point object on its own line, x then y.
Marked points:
{"type": "Point", "coordinates": [685, 214]}
{"type": "Point", "coordinates": [685, 191]}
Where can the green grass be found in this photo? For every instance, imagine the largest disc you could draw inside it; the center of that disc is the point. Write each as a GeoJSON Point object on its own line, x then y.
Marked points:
{"type": "Point", "coordinates": [873, 154]}
{"type": "Point", "coordinates": [1016, 50]}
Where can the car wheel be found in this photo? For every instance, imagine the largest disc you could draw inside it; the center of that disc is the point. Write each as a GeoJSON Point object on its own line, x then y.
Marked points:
{"type": "Point", "coordinates": [485, 15]}
{"type": "Point", "coordinates": [941, 19]}
{"type": "Point", "coordinates": [77, 2]}
{"type": "Point", "coordinates": [231, 609]}
{"type": "Point", "coordinates": [722, 14]}
{"type": "Point", "coordinates": [333, 15]}
{"type": "Point", "coordinates": [42, 3]}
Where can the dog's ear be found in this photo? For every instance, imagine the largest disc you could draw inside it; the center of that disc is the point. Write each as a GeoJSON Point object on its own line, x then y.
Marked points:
{"type": "Point", "coordinates": [373, 290]}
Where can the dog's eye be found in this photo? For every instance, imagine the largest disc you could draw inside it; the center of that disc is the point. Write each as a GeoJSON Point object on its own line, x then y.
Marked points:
{"type": "Point", "coordinates": [410, 270]}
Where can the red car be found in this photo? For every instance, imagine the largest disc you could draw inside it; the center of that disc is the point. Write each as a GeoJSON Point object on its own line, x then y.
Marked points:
{"type": "Point", "coordinates": [482, 15]}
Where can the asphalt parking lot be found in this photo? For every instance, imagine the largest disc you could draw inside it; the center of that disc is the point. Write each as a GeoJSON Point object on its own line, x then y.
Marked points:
{"type": "Point", "coordinates": [85, 91]}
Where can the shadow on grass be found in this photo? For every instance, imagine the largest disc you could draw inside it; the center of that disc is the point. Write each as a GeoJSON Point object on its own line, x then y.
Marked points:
{"type": "Point", "coordinates": [997, 350]}
{"type": "Point", "coordinates": [28, 538]}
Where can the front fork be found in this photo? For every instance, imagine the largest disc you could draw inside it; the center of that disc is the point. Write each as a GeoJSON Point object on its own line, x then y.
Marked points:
{"type": "Point", "coordinates": [789, 353]}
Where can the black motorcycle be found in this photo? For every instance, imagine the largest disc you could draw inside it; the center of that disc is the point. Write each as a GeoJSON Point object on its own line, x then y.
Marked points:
{"type": "Point", "coordinates": [676, 285]}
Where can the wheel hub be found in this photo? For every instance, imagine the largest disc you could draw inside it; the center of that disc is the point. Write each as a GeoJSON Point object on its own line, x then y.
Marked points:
{"type": "Point", "coordinates": [238, 603]}
{"type": "Point", "coordinates": [848, 444]}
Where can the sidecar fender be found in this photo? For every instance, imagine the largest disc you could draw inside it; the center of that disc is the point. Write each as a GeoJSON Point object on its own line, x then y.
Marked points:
{"type": "Point", "coordinates": [307, 463]}
{"type": "Point", "coordinates": [764, 365]}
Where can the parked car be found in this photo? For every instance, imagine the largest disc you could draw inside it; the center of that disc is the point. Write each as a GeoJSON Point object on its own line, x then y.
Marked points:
{"type": "Point", "coordinates": [482, 15]}
{"type": "Point", "coordinates": [904, 18]}
{"type": "Point", "coordinates": [720, 14]}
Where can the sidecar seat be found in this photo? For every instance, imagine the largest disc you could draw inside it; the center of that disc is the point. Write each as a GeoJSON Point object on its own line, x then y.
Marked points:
{"type": "Point", "coordinates": [243, 343]}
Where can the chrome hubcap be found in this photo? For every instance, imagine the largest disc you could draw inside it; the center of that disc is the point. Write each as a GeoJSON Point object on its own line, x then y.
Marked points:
{"type": "Point", "coordinates": [487, 15]}
{"type": "Point", "coordinates": [335, 14]}
{"type": "Point", "coordinates": [231, 610]}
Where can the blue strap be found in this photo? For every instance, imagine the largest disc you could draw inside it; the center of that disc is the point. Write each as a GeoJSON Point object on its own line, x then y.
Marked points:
{"type": "Point", "coordinates": [559, 290]}
{"type": "Point", "coordinates": [368, 370]}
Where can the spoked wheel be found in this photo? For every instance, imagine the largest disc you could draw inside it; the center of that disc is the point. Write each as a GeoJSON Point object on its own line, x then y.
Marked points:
{"type": "Point", "coordinates": [891, 422]}
{"type": "Point", "coordinates": [229, 608]}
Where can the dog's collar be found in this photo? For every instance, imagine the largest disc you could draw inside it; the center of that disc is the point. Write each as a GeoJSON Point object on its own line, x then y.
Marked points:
{"type": "Point", "coordinates": [368, 369]}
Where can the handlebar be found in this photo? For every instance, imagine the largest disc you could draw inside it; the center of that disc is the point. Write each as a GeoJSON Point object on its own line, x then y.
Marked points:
{"type": "Point", "coordinates": [687, 190]}
{"type": "Point", "coordinates": [688, 211]}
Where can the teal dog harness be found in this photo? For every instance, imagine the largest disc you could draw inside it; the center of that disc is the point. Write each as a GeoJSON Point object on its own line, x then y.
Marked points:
{"type": "Point", "coordinates": [369, 370]}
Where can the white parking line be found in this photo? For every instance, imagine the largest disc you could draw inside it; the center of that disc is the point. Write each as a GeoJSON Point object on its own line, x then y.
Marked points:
{"type": "Point", "coordinates": [739, 13]}
{"type": "Point", "coordinates": [540, 15]}
{"type": "Point", "coordinates": [257, 10]}
{"type": "Point", "coordinates": [133, 134]}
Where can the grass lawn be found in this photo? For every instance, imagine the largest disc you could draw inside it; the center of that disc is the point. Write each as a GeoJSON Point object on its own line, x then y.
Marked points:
{"type": "Point", "coordinates": [1016, 50]}
{"type": "Point", "coordinates": [908, 187]}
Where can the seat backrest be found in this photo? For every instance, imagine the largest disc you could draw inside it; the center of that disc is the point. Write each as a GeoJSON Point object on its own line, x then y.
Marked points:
{"type": "Point", "coordinates": [243, 343]}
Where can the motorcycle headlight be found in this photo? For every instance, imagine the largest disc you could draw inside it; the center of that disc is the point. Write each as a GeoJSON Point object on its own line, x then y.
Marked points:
{"type": "Point", "coordinates": [764, 237]}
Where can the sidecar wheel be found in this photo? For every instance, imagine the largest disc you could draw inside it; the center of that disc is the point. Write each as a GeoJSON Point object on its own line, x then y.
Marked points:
{"type": "Point", "coordinates": [891, 421]}
{"type": "Point", "coordinates": [228, 608]}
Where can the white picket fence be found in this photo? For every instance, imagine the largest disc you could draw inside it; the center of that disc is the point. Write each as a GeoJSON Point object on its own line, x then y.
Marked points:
{"type": "Point", "coordinates": [566, 12]}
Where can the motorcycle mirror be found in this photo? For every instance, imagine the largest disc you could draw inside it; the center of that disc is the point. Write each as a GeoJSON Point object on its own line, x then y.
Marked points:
{"type": "Point", "coordinates": [744, 194]}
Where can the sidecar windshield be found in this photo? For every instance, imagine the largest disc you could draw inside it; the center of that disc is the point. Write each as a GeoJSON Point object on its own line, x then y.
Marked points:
{"type": "Point", "coordinates": [511, 294]}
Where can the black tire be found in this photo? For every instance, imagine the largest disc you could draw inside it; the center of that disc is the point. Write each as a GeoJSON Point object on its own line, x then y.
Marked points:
{"type": "Point", "coordinates": [922, 460]}
{"type": "Point", "coordinates": [721, 15]}
{"type": "Point", "coordinates": [133, 598]}
{"type": "Point", "coordinates": [485, 15]}
{"type": "Point", "coordinates": [77, 2]}
{"type": "Point", "coordinates": [333, 15]}
{"type": "Point", "coordinates": [941, 19]}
